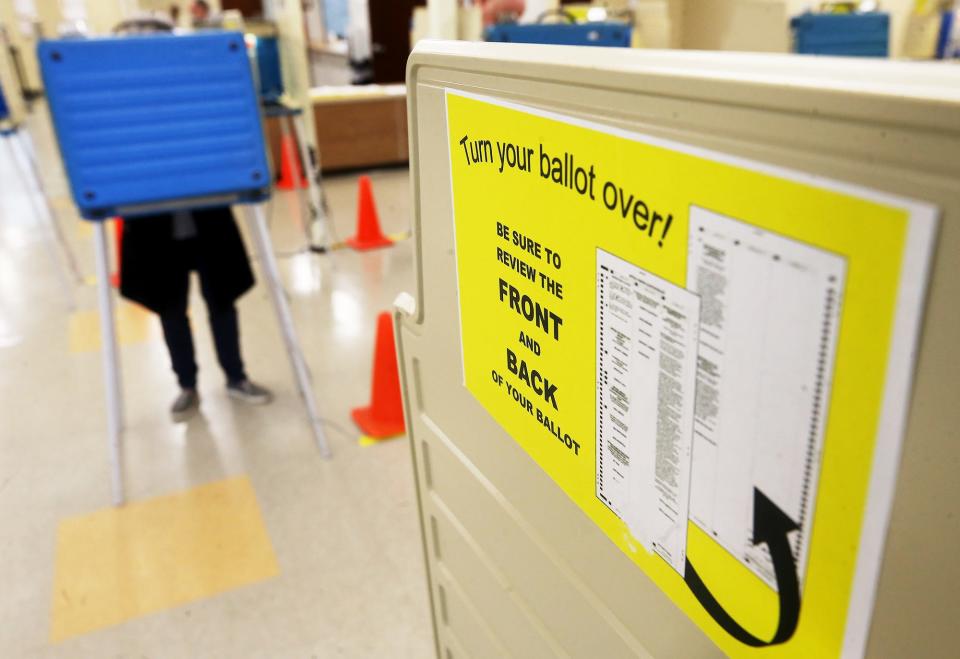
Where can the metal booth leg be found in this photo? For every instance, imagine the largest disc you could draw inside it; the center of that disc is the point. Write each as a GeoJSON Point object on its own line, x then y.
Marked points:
{"type": "Point", "coordinates": [303, 200]}
{"type": "Point", "coordinates": [264, 247]}
{"type": "Point", "coordinates": [26, 175]}
{"type": "Point", "coordinates": [29, 150]}
{"type": "Point", "coordinates": [317, 228]}
{"type": "Point", "coordinates": [111, 363]}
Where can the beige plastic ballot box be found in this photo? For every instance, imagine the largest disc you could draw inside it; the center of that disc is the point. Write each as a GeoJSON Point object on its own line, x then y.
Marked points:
{"type": "Point", "coordinates": [680, 371]}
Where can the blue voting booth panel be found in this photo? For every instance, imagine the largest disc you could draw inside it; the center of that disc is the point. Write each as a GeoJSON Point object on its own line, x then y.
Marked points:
{"type": "Point", "coordinates": [563, 34]}
{"type": "Point", "coordinates": [156, 122]}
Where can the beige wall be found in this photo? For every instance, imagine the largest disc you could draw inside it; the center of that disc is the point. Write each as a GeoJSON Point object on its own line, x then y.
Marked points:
{"type": "Point", "coordinates": [741, 25]}
{"type": "Point", "coordinates": [763, 25]}
{"type": "Point", "coordinates": [49, 15]}
{"type": "Point", "coordinates": [900, 11]}
{"type": "Point", "coordinates": [103, 15]}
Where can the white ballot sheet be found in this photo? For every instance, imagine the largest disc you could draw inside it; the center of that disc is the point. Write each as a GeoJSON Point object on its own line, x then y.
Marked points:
{"type": "Point", "coordinates": [768, 332]}
{"type": "Point", "coordinates": [646, 373]}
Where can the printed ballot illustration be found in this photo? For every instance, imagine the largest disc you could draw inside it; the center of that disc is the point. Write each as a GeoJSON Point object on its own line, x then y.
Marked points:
{"type": "Point", "coordinates": [693, 346]}
{"type": "Point", "coordinates": [646, 373]}
{"type": "Point", "coordinates": [765, 363]}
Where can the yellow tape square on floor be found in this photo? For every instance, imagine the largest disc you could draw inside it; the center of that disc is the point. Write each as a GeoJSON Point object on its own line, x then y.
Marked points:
{"type": "Point", "coordinates": [132, 324]}
{"type": "Point", "coordinates": [366, 440]}
{"type": "Point", "coordinates": [120, 563]}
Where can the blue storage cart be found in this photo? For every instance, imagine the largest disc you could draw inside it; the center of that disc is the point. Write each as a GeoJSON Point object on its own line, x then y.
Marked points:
{"type": "Point", "coordinates": [855, 35]}
{"type": "Point", "coordinates": [156, 123]}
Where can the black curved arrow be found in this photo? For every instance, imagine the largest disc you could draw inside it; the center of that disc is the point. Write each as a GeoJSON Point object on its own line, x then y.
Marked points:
{"type": "Point", "coordinates": [770, 525]}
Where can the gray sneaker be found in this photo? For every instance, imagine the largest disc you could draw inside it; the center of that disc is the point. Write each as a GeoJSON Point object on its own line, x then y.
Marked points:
{"type": "Point", "coordinates": [250, 393]}
{"type": "Point", "coordinates": [185, 405]}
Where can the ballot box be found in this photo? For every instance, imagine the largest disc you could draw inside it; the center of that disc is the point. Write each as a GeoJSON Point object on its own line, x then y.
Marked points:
{"type": "Point", "coordinates": [679, 362]}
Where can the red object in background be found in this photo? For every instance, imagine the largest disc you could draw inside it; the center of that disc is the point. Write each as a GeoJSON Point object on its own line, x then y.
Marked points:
{"type": "Point", "coordinates": [118, 243]}
{"type": "Point", "coordinates": [383, 417]}
{"type": "Point", "coordinates": [496, 10]}
{"type": "Point", "coordinates": [291, 174]}
{"type": "Point", "coordinates": [368, 234]}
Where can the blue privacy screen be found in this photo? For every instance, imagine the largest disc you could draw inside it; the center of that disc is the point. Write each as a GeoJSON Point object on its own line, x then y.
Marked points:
{"type": "Point", "coordinates": [157, 122]}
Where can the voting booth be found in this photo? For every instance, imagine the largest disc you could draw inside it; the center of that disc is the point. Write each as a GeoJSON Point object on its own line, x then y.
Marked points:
{"type": "Point", "coordinates": [264, 44]}
{"type": "Point", "coordinates": [679, 369]}
{"type": "Point", "coordinates": [4, 109]}
{"type": "Point", "coordinates": [11, 105]}
{"type": "Point", "coordinates": [163, 123]}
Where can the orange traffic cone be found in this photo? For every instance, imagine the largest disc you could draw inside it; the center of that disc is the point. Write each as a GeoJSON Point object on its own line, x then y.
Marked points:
{"type": "Point", "coordinates": [369, 234]}
{"type": "Point", "coordinates": [118, 243]}
{"type": "Point", "coordinates": [384, 416]}
{"type": "Point", "coordinates": [291, 175]}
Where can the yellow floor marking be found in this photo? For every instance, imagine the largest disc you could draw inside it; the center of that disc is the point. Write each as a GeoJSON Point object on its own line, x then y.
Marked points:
{"type": "Point", "coordinates": [120, 563]}
{"type": "Point", "coordinates": [393, 237]}
{"type": "Point", "coordinates": [397, 237]}
{"type": "Point", "coordinates": [370, 441]}
{"type": "Point", "coordinates": [133, 324]}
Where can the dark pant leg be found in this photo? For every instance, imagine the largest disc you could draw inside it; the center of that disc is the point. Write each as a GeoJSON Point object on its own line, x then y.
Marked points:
{"type": "Point", "coordinates": [226, 337]}
{"type": "Point", "coordinates": [176, 332]}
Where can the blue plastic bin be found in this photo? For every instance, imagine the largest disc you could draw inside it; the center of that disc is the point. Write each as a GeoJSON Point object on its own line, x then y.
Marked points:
{"type": "Point", "coordinates": [156, 122]}
{"type": "Point", "coordinates": [856, 35]}
{"type": "Point", "coordinates": [563, 34]}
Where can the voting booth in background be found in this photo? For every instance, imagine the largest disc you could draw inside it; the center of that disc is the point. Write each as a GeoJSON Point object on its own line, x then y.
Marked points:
{"type": "Point", "coordinates": [21, 151]}
{"type": "Point", "coordinates": [680, 367]}
{"type": "Point", "coordinates": [11, 109]}
{"type": "Point", "coordinates": [150, 124]}
{"type": "Point", "coordinates": [264, 43]}
{"type": "Point", "coordinates": [4, 109]}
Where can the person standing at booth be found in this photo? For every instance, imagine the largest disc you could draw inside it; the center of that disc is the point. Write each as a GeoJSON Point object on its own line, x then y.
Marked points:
{"type": "Point", "coordinates": [158, 254]}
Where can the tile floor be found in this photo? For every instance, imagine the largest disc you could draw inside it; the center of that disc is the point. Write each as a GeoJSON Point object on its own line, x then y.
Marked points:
{"type": "Point", "coordinates": [350, 578]}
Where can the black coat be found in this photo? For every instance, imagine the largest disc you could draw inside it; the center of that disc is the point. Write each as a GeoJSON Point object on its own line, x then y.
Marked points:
{"type": "Point", "coordinates": [155, 268]}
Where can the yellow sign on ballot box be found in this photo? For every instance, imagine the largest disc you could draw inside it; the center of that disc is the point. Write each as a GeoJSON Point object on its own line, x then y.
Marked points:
{"type": "Point", "coordinates": [701, 351]}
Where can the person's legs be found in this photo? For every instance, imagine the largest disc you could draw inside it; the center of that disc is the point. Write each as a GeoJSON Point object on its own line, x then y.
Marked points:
{"type": "Point", "coordinates": [179, 339]}
{"type": "Point", "coordinates": [176, 333]}
{"type": "Point", "coordinates": [226, 339]}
